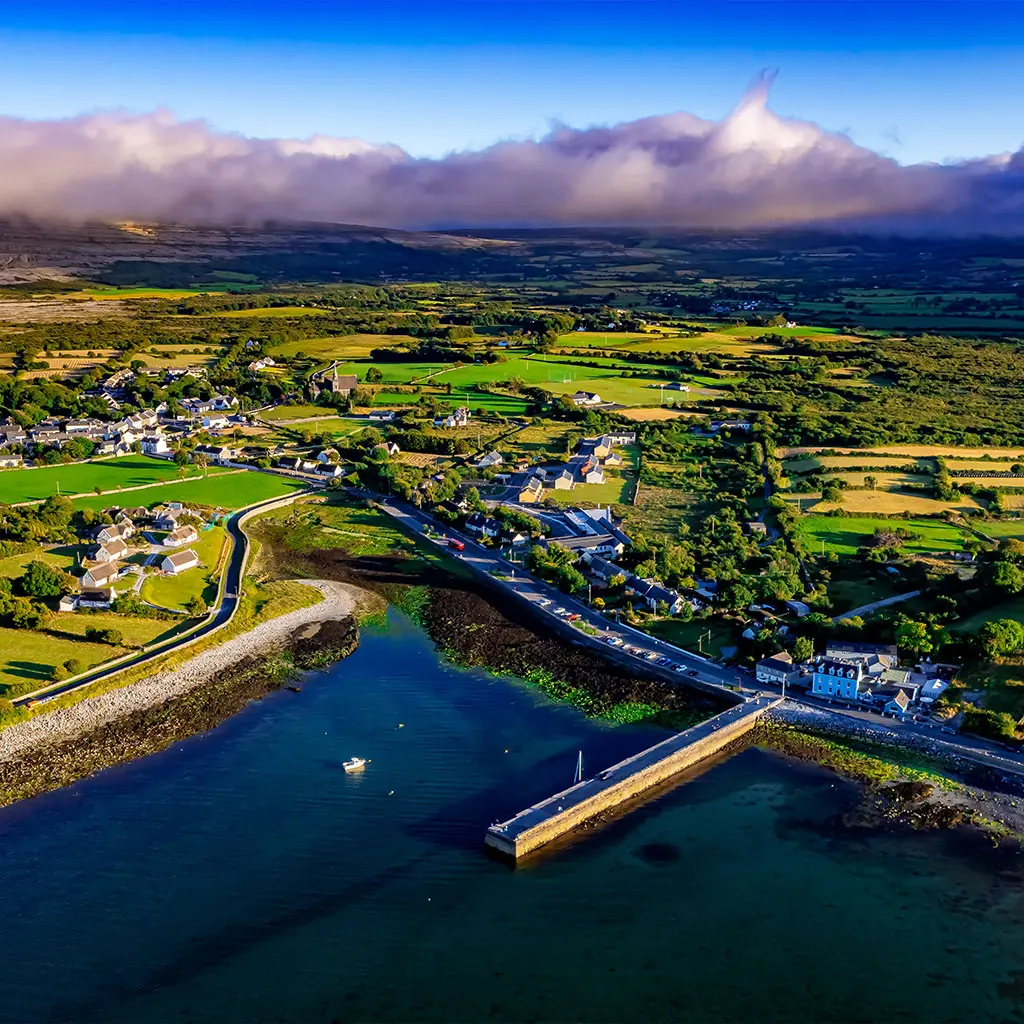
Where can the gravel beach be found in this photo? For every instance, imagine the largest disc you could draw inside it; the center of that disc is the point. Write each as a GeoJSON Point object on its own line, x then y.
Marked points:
{"type": "Point", "coordinates": [339, 601]}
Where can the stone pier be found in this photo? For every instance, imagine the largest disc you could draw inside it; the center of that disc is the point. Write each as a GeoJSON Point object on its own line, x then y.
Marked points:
{"type": "Point", "coordinates": [561, 813]}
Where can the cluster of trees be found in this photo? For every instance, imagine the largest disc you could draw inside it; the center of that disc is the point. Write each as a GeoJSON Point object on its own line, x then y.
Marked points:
{"type": "Point", "coordinates": [51, 522]}
{"type": "Point", "coordinates": [556, 565]}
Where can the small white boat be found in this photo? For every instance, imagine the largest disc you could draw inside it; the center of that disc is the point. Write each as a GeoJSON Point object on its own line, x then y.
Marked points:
{"type": "Point", "coordinates": [354, 764]}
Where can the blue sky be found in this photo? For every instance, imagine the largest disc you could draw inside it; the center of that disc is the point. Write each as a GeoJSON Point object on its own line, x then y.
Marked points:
{"type": "Point", "coordinates": [918, 81]}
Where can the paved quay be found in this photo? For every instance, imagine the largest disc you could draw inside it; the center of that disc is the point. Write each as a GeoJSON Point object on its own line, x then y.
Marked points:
{"type": "Point", "coordinates": [559, 814]}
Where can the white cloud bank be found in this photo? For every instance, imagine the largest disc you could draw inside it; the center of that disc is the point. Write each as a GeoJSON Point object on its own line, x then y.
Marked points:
{"type": "Point", "coordinates": [753, 169]}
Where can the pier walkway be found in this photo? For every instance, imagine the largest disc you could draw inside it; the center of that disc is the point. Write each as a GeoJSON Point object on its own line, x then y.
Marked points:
{"type": "Point", "coordinates": [561, 813]}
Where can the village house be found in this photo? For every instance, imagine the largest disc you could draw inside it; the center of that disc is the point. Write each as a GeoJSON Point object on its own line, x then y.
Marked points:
{"type": "Point", "coordinates": [621, 437]}
{"type": "Point", "coordinates": [459, 418]}
{"type": "Point", "coordinates": [654, 594]}
{"type": "Point", "coordinates": [560, 478]}
{"type": "Point", "coordinates": [677, 385]}
{"type": "Point", "coordinates": [587, 471]}
{"type": "Point", "coordinates": [96, 599]}
{"type": "Point", "coordinates": [602, 569]}
{"type": "Point", "coordinates": [99, 576]}
{"type": "Point", "coordinates": [778, 670]}
{"type": "Point", "coordinates": [482, 525]}
{"type": "Point", "coordinates": [603, 544]}
{"type": "Point", "coordinates": [261, 364]}
{"type": "Point", "coordinates": [180, 536]}
{"type": "Point", "coordinates": [585, 398]}
{"type": "Point", "coordinates": [382, 415]}
{"type": "Point", "coordinates": [215, 421]}
{"type": "Point", "coordinates": [329, 455]}
{"type": "Point", "coordinates": [155, 444]}
{"type": "Point", "coordinates": [329, 469]}
{"type": "Point", "coordinates": [835, 678]}
{"type": "Point", "coordinates": [179, 562]}
{"type": "Point", "coordinates": [167, 518]}
{"type": "Point", "coordinates": [111, 551]}
{"type": "Point", "coordinates": [91, 428]}
{"type": "Point", "coordinates": [529, 490]}
{"type": "Point", "coordinates": [883, 655]}
{"type": "Point", "coordinates": [388, 448]}
{"type": "Point", "coordinates": [219, 455]}
{"type": "Point", "coordinates": [489, 460]}
{"type": "Point", "coordinates": [11, 461]}
{"type": "Point", "coordinates": [296, 464]}
{"type": "Point", "coordinates": [115, 531]}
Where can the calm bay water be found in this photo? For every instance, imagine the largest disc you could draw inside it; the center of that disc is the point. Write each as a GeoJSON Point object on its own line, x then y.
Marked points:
{"type": "Point", "coordinates": [242, 876]}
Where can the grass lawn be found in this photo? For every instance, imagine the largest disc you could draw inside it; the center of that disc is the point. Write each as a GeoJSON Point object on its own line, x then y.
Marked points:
{"type": "Point", "coordinates": [856, 587]}
{"type": "Point", "coordinates": [399, 397]}
{"type": "Point", "coordinates": [661, 510]}
{"type": "Point", "coordinates": [845, 534]}
{"type": "Point", "coordinates": [297, 412]}
{"type": "Point", "coordinates": [60, 558]}
{"type": "Point", "coordinates": [176, 591]}
{"type": "Point", "coordinates": [614, 491]}
{"type": "Point", "coordinates": [232, 491]}
{"type": "Point", "coordinates": [1010, 528]}
{"type": "Point", "coordinates": [82, 477]}
{"type": "Point", "coordinates": [686, 635]}
{"type": "Point", "coordinates": [32, 654]}
{"type": "Point", "coordinates": [495, 405]}
{"type": "Point", "coordinates": [349, 346]}
{"type": "Point", "coordinates": [1013, 609]}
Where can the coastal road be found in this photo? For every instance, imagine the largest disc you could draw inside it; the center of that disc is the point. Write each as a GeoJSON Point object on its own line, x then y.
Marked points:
{"type": "Point", "coordinates": [547, 600]}
{"type": "Point", "coordinates": [219, 617]}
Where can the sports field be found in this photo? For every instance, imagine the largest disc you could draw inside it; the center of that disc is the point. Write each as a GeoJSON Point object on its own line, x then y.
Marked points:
{"type": "Point", "coordinates": [82, 477]}
{"type": "Point", "coordinates": [231, 491]}
{"type": "Point", "coordinates": [845, 534]}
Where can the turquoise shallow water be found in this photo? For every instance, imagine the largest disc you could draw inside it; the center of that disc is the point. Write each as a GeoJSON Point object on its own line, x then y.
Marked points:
{"type": "Point", "coordinates": [242, 876]}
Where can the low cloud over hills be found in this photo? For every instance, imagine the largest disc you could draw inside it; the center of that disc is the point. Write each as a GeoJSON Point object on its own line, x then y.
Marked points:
{"type": "Point", "coordinates": [753, 169]}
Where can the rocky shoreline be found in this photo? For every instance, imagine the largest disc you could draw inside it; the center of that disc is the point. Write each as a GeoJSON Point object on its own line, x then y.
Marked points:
{"type": "Point", "coordinates": [901, 786]}
{"type": "Point", "coordinates": [56, 749]}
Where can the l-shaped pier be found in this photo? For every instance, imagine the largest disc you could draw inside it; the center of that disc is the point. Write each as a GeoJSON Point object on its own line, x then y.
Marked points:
{"type": "Point", "coordinates": [561, 813]}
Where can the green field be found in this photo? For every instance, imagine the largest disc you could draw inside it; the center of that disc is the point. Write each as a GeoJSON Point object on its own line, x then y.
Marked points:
{"type": "Point", "coordinates": [81, 477]}
{"type": "Point", "coordinates": [845, 534]}
{"type": "Point", "coordinates": [150, 293]}
{"type": "Point", "coordinates": [176, 591]}
{"type": "Point", "coordinates": [270, 311]}
{"type": "Point", "coordinates": [482, 402]}
{"type": "Point", "coordinates": [687, 634]}
{"type": "Point", "coordinates": [34, 653]}
{"type": "Point", "coordinates": [61, 558]}
{"type": "Point", "coordinates": [998, 531]}
{"type": "Point", "coordinates": [347, 346]}
{"type": "Point", "coordinates": [1013, 609]}
{"type": "Point", "coordinates": [297, 412]}
{"type": "Point", "coordinates": [614, 491]}
{"type": "Point", "coordinates": [232, 491]}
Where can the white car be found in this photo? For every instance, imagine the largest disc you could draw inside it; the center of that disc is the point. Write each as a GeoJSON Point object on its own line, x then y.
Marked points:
{"type": "Point", "coordinates": [544, 602]}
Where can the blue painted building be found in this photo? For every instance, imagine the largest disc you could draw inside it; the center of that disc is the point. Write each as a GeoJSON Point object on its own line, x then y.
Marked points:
{"type": "Point", "coordinates": [837, 679]}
